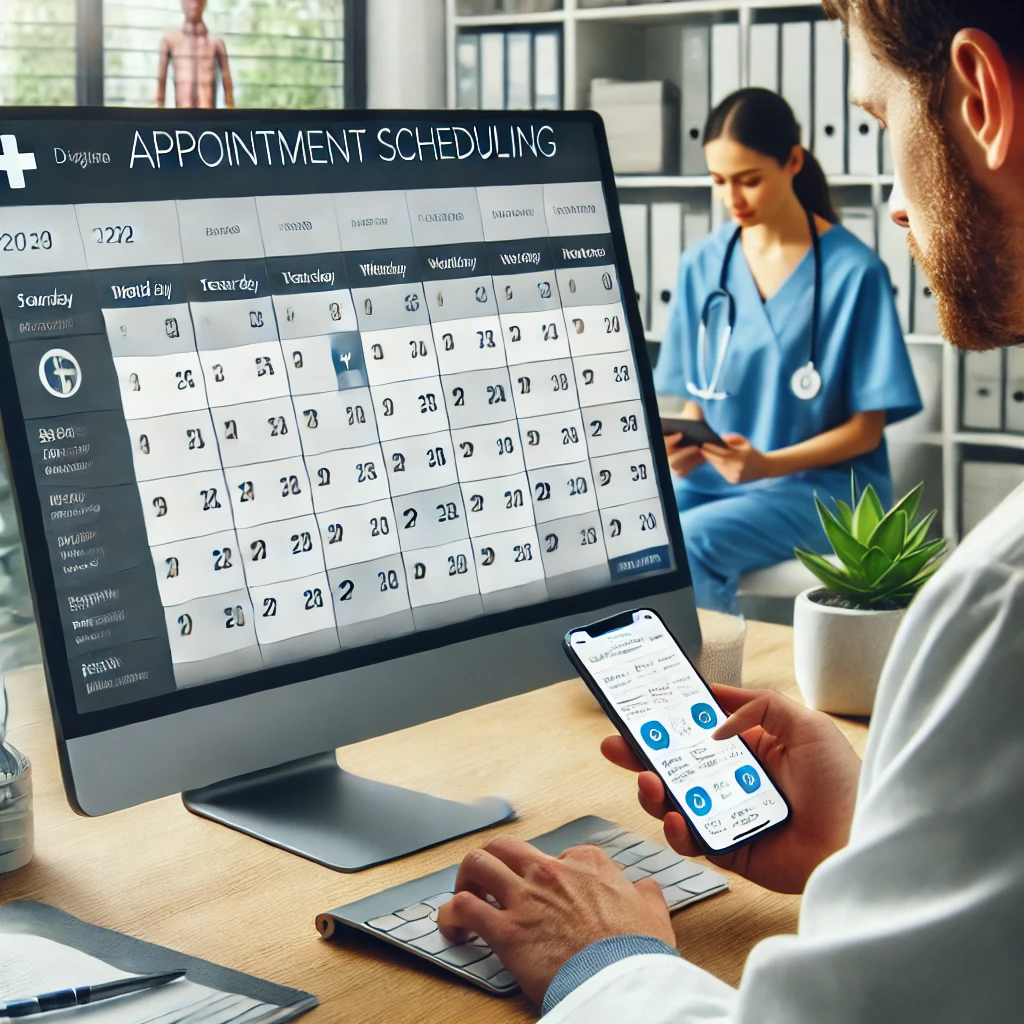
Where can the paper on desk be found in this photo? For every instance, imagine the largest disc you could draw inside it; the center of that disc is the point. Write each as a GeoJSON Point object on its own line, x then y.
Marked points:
{"type": "Point", "coordinates": [30, 965]}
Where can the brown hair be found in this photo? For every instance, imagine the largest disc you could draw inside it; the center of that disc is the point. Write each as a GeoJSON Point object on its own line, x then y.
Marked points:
{"type": "Point", "coordinates": [915, 35]}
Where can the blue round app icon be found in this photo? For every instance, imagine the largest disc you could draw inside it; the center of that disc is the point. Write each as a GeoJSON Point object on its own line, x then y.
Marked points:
{"type": "Point", "coordinates": [704, 715]}
{"type": "Point", "coordinates": [748, 779]}
{"type": "Point", "coordinates": [698, 801]}
{"type": "Point", "coordinates": [655, 735]}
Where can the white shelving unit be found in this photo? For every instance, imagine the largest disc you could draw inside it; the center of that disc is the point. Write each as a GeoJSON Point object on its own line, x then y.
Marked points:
{"type": "Point", "coordinates": [624, 41]}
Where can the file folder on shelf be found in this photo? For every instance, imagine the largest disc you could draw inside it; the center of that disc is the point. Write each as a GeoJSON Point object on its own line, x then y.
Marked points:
{"type": "Point", "coordinates": [863, 142]}
{"type": "Point", "coordinates": [519, 61]}
{"type": "Point", "coordinates": [763, 56]}
{"type": "Point", "coordinates": [925, 319]}
{"type": "Point", "coordinates": [492, 70]}
{"type": "Point", "coordinates": [696, 224]}
{"type": "Point", "coordinates": [886, 145]}
{"type": "Point", "coordinates": [984, 485]}
{"type": "Point", "coordinates": [830, 96]}
{"type": "Point", "coordinates": [547, 70]}
{"type": "Point", "coordinates": [634, 227]}
{"type": "Point", "coordinates": [892, 248]}
{"type": "Point", "coordinates": [666, 245]}
{"type": "Point", "coordinates": [796, 74]}
{"type": "Point", "coordinates": [860, 221]}
{"type": "Point", "coordinates": [696, 79]}
{"type": "Point", "coordinates": [467, 71]}
{"type": "Point", "coordinates": [725, 61]}
{"type": "Point", "coordinates": [982, 391]}
{"type": "Point", "coordinates": [641, 120]}
{"type": "Point", "coordinates": [1014, 396]}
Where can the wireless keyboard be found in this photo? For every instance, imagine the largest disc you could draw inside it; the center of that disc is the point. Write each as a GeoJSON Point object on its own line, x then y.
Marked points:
{"type": "Point", "coordinates": [406, 915]}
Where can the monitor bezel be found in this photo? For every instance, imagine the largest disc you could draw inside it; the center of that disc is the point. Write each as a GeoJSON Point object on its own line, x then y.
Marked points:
{"type": "Point", "coordinates": [69, 722]}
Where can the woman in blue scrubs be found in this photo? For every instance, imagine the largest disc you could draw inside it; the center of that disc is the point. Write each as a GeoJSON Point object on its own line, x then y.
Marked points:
{"type": "Point", "coordinates": [812, 370]}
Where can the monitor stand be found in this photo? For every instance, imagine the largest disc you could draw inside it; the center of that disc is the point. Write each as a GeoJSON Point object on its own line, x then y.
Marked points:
{"type": "Point", "coordinates": [313, 808]}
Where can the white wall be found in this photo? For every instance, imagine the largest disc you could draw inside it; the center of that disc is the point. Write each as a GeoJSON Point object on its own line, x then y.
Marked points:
{"type": "Point", "coordinates": [405, 53]}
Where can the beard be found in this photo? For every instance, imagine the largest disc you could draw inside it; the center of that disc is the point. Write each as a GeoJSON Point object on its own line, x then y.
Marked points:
{"type": "Point", "coordinates": [971, 262]}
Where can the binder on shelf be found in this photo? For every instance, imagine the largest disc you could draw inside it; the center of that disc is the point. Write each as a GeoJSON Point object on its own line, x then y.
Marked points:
{"type": "Point", "coordinates": [985, 484]}
{"type": "Point", "coordinates": [696, 89]}
{"type": "Point", "coordinates": [863, 148]}
{"type": "Point", "coordinates": [763, 55]}
{"type": "Point", "coordinates": [925, 319]}
{"type": "Point", "coordinates": [860, 221]}
{"type": "Point", "coordinates": [519, 61]}
{"type": "Point", "coordinates": [634, 227]}
{"type": "Point", "coordinates": [547, 70]}
{"type": "Point", "coordinates": [886, 146]}
{"type": "Point", "coordinates": [830, 96]}
{"type": "Point", "coordinates": [892, 248]}
{"type": "Point", "coordinates": [1014, 391]}
{"type": "Point", "coordinates": [696, 224]}
{"type": "Point", "coordinates": [796, 74]}
{"type": "Point", "coordinates": [467, 71]}
{"type": "Point", "coordinates": [725, 60]}
{"type": "Point", "coordinates": [666, 245]}
{"type": "Point", "coordinates": [492, 70]}
{"type": "Point", "coordinates": [982, 392]}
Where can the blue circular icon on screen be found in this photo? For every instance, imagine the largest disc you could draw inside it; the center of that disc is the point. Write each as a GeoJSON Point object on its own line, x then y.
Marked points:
{"type": "Point", "coordinates": [749, 780]}
{"type": "Point", "coordinates": [704, 715]}
{"type": "Point", "coordinates": [655, 735]}
{"type": "Point", "coordinates": [60, 373]}
{"type": "Point", "coordinates": [698, 801]}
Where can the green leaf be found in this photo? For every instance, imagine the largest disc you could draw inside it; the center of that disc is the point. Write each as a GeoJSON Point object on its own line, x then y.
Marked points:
{"type": "Point", "coordinates": [867, 515]}
{"type": "Point", "coordinates": [910, 591]}
{"type": "Point", "coordinates": [844, 514]}
{"type": "Point", "coordinates": [890, 534]}
{"type": "Point", "coordinates": [876, 563]}
{"type": "Point", "coordinates": [919, 532]}
{"type": "Point", "coordinates": [854, 497]}
{"type": "Point", "coordinates": [907, 568]}
{"type": "Point", "coordinates": [834, 579]}
{"type": "Point", "coordinates": [909, 503]}
{"type": "Point", "coordinates": [849, 550]}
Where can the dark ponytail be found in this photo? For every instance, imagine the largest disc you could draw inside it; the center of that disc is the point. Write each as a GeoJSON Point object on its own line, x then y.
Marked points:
{"type": "Point", "coordinates": [763, 121]}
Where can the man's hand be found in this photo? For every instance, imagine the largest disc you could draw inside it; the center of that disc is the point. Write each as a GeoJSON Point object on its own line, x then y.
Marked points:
{"type": "Point", "coordinates": [810, 760]}
{"type": "Point", "coordinates": [682, 460]}
{"type": "Point", "coordinates": [551, 908]}
{"type": "Point", "coordinates": [740, 462]}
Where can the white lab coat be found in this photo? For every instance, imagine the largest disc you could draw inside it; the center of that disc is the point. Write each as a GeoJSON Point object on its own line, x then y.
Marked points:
{"type": "Point", "coordinates": [921, 916]}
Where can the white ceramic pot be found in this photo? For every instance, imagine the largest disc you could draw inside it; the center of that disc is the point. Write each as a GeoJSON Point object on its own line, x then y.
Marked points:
{"type": "Point", "coordinates": [839, 653]}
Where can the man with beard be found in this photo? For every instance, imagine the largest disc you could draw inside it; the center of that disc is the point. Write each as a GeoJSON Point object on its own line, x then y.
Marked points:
{"type": "Point", "coordinates": [912, 867]}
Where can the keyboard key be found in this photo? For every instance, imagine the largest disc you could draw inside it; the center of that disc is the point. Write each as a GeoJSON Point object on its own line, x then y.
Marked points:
{"type": "Point", "coordinates": [463, 956]}
{"type": "Point", "coordinates": [647, 849]}
{"type": "Point", "coordinates": [674, 896]}
{"type": "Point", "coordinates": [412, 930]}
{"type": "Point", "coordinates": [634, 874]}
{"type": "Point", "coordinates": [504, 980]}
{"type": "Point", "coordinates": [386, 923]}
{"type": "Point", "coordinates": [486, 969]}
{"type": "Point", "coordinates": [676, 873]}
{"type": "Point", "coordinates": [703, 882]}
{"type": "Point", "coordinates": [661, 860]}
{"type": "Point", "coordinates": [613, 841]}
{"type": "Point", "coordinates": [415, 912]}
{"type": "Point", "coordinates": [435, 942]}
{"type": "Point", "coordinates": [439, 900]}
{"type": "Point", "coordinates": [626, 858]}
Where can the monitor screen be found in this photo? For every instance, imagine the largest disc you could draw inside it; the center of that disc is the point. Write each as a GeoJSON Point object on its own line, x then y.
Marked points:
{"type": "Point", "coordinates": [283, 389]}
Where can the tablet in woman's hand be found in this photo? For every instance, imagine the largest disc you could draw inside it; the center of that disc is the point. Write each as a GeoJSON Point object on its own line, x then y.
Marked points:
{"type": "Point", "coordinates": [693, 431]}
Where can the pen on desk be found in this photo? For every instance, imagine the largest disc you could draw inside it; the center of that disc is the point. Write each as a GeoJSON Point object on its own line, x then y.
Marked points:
{"type": "Point", "coordinates": [84, 994]}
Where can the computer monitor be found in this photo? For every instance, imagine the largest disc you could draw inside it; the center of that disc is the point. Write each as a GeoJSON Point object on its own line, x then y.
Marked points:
{"type": "Point", "coordinates": [321, 425]}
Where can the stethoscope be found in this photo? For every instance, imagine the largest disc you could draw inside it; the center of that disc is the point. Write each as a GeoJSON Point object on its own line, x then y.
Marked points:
{"type": "Point", "coordinates": [805, 382]}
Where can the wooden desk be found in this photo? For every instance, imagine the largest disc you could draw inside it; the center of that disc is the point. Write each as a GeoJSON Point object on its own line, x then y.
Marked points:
{"type": "Point", "coordinates": [167, 876]}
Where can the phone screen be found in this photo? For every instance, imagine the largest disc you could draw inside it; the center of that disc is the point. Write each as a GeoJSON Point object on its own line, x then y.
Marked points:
{"type": "Point", "coordinates": [669, 711]}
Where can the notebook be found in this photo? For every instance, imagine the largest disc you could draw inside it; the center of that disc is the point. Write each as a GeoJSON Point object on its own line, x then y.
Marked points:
{"type": "Point", "coordinates": [43, 949]}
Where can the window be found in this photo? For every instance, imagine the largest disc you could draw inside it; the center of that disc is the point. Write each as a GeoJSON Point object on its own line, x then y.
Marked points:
{"type": "Point", "coordinates": [37, 52]}
{"type": "Point", "coordinates": [282, 53]}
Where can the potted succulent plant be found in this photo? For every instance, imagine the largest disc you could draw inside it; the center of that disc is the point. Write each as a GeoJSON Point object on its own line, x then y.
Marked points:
{"type": "Point", "coordinates": [843, 630]}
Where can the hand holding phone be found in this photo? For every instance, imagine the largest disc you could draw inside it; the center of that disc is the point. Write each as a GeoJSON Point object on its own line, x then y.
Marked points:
{"type": "Point", "coordinates": [667, 716]}
{"type": "Point", "coordinates": [695, 432]}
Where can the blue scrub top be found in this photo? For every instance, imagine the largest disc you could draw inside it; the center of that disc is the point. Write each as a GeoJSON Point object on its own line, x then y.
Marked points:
{"type": "Point", "coordinates": [861, 356]}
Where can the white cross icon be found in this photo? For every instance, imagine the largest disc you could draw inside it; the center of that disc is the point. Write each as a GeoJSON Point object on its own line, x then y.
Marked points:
{"type": "Point", "coordinates": [15, 163]}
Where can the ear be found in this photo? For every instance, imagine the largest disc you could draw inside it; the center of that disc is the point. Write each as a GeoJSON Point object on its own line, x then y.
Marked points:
{"type": "Point", "coordinates": [985, 84]}
{"type": "Point", "coordinates": [795, 163]}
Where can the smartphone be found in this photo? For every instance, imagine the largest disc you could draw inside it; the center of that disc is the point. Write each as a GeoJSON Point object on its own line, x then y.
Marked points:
{"type": "Point", "coordinates": [665, 711]}
{"type": "Point", "coordinates": [693, 431]}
